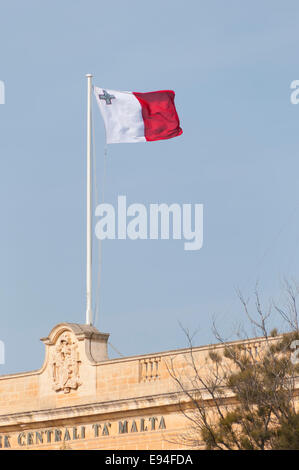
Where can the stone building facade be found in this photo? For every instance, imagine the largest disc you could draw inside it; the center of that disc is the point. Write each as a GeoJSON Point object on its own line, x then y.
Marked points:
{"type": "Point", "coordinates": [80, 399]}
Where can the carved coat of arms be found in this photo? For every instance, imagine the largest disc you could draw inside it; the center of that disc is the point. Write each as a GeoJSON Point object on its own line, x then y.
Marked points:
{"type": "Point", "coordinates": [65, 365]}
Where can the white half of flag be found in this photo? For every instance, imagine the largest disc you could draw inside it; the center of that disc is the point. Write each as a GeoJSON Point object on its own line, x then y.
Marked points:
{"type": "Point", "coordinates": [122, 116]}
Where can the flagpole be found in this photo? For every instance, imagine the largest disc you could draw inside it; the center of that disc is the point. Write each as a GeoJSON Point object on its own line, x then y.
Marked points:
{"type": "Point", "coordinates": [88, 209]}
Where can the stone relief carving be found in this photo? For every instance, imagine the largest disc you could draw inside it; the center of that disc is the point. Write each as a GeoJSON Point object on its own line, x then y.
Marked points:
{"type": "Point", "coordinates": [65, 365]}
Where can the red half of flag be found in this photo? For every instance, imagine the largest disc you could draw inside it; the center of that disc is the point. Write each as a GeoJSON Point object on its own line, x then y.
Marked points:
{"type": "Point", "coordinates": [159, 115]}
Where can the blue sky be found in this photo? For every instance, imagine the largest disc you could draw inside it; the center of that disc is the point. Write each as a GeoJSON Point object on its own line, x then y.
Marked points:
{"type": "Point", "coordinates": [231, 64]}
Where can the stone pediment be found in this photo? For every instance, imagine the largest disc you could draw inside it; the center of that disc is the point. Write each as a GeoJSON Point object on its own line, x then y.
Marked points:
{"type": "Point", "coordinates": [70, 349]}
{"type": "Point", "coordinates": [95, 342]}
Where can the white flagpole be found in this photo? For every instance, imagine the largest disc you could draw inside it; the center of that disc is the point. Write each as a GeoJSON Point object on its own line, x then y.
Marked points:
{"type": "Point", "coordinates": [88, 208]}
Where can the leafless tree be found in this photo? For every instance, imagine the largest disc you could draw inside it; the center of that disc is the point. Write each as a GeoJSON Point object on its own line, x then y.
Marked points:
{"type": "Point", "coordinates": [243, 395]}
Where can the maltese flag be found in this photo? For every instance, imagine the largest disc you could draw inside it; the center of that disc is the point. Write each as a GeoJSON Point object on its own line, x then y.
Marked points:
{"type": "Point", "coordinates": [138, 117]}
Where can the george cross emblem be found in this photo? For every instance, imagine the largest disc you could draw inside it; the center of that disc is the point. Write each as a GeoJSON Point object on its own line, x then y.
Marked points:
{"type": "Point", "coordinates": [107, 97]}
